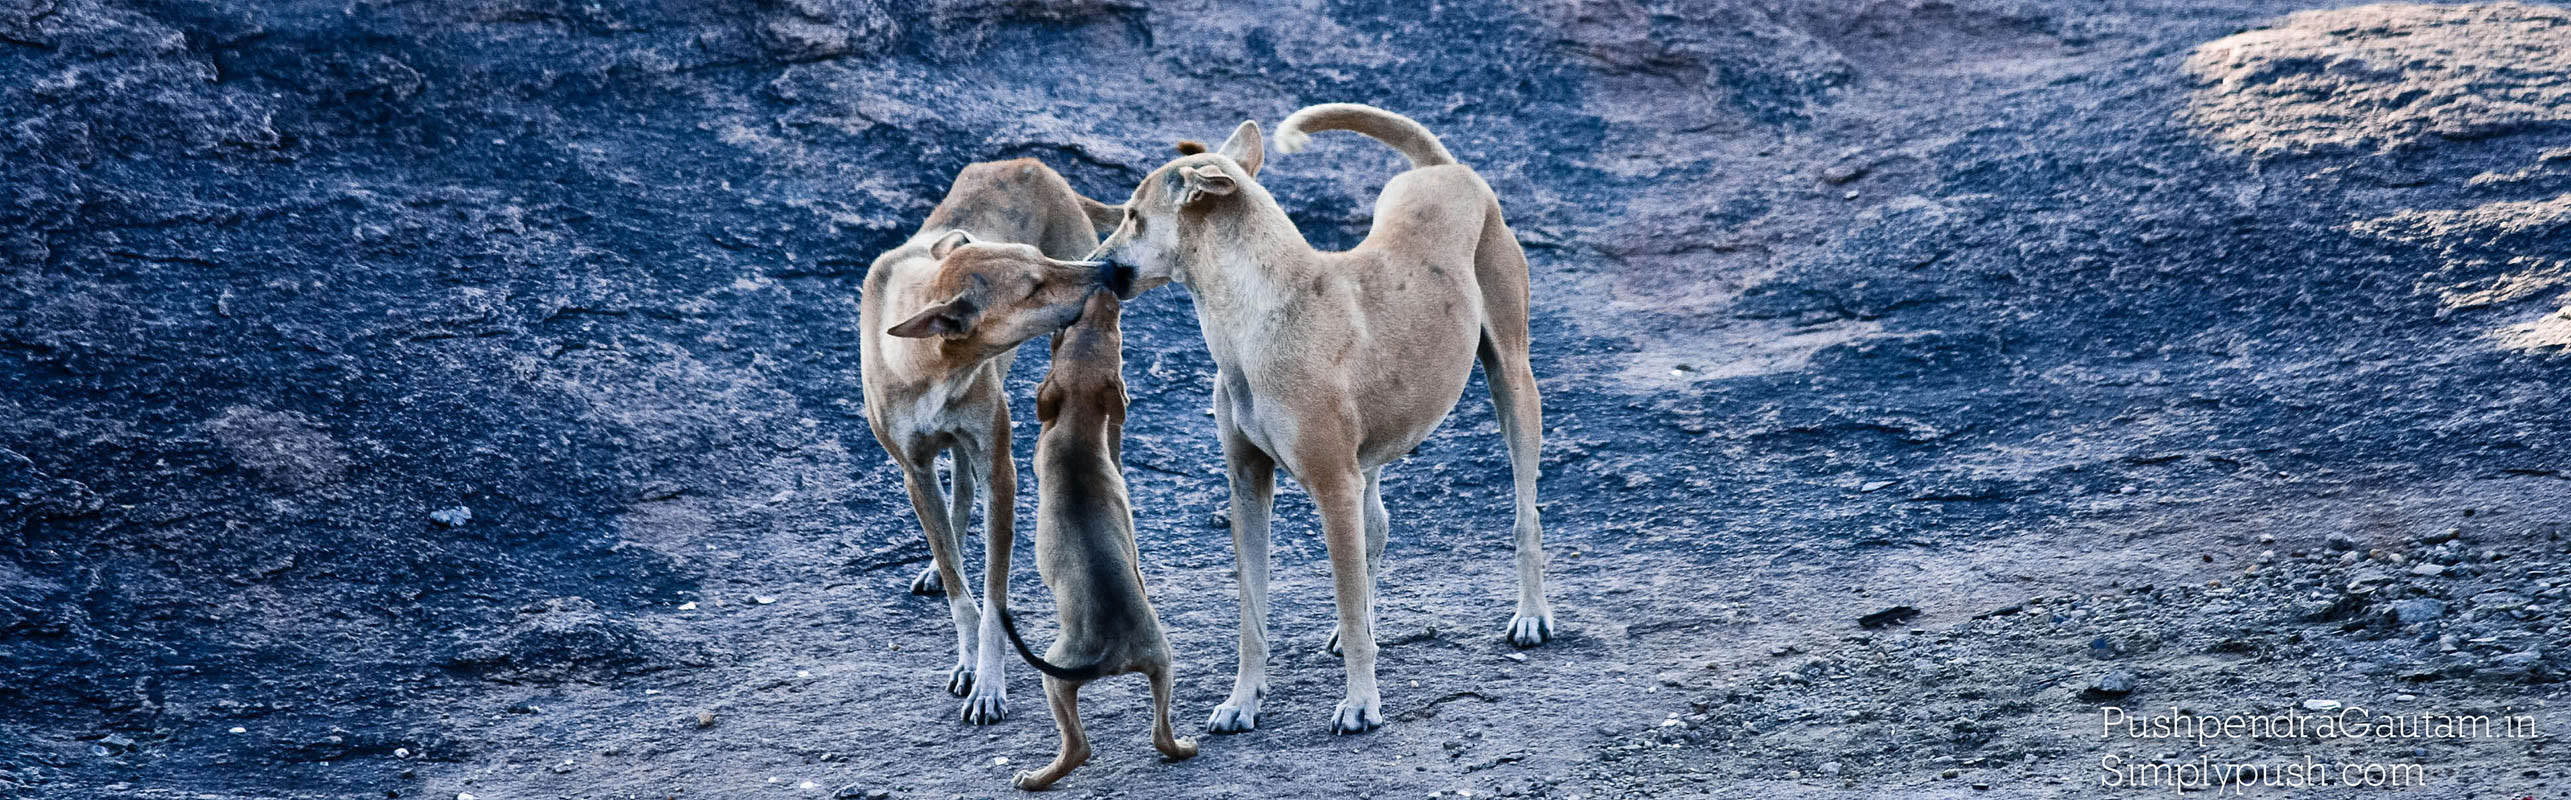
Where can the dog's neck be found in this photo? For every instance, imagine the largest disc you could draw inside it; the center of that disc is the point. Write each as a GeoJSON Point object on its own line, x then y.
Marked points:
{"type": "Point", "coordinates": [1245, 244]}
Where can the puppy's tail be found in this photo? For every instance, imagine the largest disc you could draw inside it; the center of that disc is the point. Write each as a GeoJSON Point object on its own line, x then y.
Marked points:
{"type": "Point", "coordinates": [1403, 133]}
{"type": "Point", "coordinates": [1091, 672]}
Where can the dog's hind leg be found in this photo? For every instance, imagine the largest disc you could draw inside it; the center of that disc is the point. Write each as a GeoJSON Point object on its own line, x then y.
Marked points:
{"type": "Point", "coordinates": [1501, 269]}
{"type": "Point", "coordinates": [989, 701]}
{"type": "Point", "coordinates": [1064, 697]}
{"type": "Point", "coordinates": [1162, 739]}
{"type": "Point", "coordinates": [1253, 478]}
{"type": "Point", "coordinates": [1378, 529]}
{"type": "Point", "coordinates": [945, 551]}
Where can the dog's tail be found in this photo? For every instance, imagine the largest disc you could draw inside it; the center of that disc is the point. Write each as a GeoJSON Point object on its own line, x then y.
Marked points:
{"type": "Point", "coordinates": [1091, 672]}
{"type": "Point", "coordinates": [1403, 133]}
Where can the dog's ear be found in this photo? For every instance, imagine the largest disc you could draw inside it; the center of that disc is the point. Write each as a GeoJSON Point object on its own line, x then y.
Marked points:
{"type": "Point", "coordinates": [944, 319]}
{"type": "Point", "coordinates": [1048, 401]}
{"type": "Point", "coordinates": [1102, 217]}
{"type": "Point", "coordinates": [1244, 147]}
{"type": "Point", "coordinates": [947, 244]}
{"type": "Point", "coordinates": [1204, 183]}
{"type": "Point", "coordinates": [1189, 147]}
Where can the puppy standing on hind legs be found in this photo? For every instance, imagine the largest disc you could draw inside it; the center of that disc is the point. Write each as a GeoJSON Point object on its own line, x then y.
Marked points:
{"type": "Point", "coordinates": [1085, 543]}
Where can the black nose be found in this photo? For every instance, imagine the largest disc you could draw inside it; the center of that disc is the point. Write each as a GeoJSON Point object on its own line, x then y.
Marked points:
{"type": "Point", "coordinates": [1115, 277]}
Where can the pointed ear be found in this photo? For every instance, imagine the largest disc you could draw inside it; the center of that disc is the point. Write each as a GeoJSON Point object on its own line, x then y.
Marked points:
{"type": "Point", "coordinates": [947, 244]}
{"type": "Point", "coordinates": [1189, 147]}
{"type": "Point", "coordinates": [1048, 401]}
{"type": "Point", "coordinates": [944, 319]}
{"type": "Point", "coordinates": [1244, 147]}
{"type": "Point", "coordinates": [1102, 217]}
{"type": "Point", "coordinates": [1205, 183]}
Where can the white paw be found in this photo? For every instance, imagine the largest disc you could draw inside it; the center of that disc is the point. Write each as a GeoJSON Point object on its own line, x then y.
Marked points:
{"type": "Point", "coordinates": [1357, 715]}
{"type": "Point", "coordinates": [927, 583]}
{"type": "Point", "coordinates": [1234, 716]}
{"type": "Point", "coordinates": [1529, 631]}
{"type": "Point", "coordinates": [959, 680]}
{"type": "Point", "coordinates": [986, 707]}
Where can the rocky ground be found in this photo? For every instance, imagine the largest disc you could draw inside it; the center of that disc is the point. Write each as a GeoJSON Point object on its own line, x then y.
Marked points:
{"type": "Point", "coordinates": [445, 399]}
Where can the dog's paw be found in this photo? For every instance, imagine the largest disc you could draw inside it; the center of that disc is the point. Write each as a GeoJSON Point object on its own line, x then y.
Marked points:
{"type": "Point", "coordinates": [959, 681]}
{"type": "Point", "coordinates": [927, 582]}
{"type": "Point", "coordinates": [1180, 750]}
{"type": "Point", "coordinates": [1529, 631]}
{"type": "Point", "coordinates": [1234, 717]}
{"type": "Point", "coordinates": [1027, 780]}
{"type": "Point", "coordinates": [984, 708]}
{"type": "Point", "coordinates": [1356, 715]}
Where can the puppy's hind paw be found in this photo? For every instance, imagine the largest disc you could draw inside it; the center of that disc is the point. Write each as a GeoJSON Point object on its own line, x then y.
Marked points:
{"type": "Point", "coordinates": [1231, 718]}
{"type": "Point", "coordinates": [1180, 750]}
{"type": "Point", "coordinates": [985, 708]}
{"type": "Point", "coordinates": [1357, 716]}
{"type": "Point", "coordinates": [1027, 780]}
{"type": "Point", "coordinates": [959, 681]}
{"type": "Point", "coordinates": [1530, 630]}
{"type": "Point", "coordinates": [927, 582]}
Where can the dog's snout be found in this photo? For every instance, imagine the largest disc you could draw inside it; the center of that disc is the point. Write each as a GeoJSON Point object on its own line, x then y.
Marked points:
{"type": "Point", "coordinates": [1113, 277]}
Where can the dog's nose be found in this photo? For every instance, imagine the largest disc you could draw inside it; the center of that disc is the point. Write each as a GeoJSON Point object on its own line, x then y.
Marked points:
{"type": "Point", "coordinates": [1114, 277]}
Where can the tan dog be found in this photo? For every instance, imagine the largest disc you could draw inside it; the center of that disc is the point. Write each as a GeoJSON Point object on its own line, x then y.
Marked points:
{"type": "Point", "coordinates": [929, 393]}
{"type": "Point", "coordinates": [1085, 542]}
{"type": "Point", "coordinates": [1334, 364]}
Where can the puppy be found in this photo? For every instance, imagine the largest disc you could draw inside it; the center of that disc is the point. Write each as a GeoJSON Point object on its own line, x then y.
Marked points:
{"type": "Point", "coordinates": [1335, 364]}
{"type": "Point", "coordinates": [1085, 542]}
{"type": "Point", "coordinates": [927, 394]}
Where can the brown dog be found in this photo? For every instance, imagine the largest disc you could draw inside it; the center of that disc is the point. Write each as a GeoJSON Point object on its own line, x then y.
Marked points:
{"type": "Point", "coordinates": [1085, 542]}
{"type": "Point", "coordinates": [1331, 364]}
{"type": "Point", "coordinates": [926, 393]}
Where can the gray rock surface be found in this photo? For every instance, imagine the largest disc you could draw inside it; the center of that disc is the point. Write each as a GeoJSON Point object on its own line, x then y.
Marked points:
{"type": "Point", "coordinates": [2120, 282]}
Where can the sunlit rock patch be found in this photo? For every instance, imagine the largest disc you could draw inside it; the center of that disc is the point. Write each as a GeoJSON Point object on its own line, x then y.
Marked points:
{"type": "Point", "coordinates": [2380, 77]}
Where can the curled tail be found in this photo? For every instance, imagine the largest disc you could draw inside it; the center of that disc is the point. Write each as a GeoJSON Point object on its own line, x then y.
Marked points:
{"type": "Point", "coordinates": [1402, 133]}
{"type": "Point", "coordinates": [1091, 672]}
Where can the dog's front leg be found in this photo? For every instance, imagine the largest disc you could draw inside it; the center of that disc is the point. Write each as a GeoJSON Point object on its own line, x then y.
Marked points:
{"type": "Point", "coordinates": [1253, 478]}
{"type": "Point", "coordinates": [1339, 496]}
{"type": "Point", "coordinates": [945, 556]}
{"type": "Point", "coordinates": [989, 701]}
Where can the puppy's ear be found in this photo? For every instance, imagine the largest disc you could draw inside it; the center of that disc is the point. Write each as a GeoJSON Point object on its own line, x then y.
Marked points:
{"type": "Point", "coordinates": [949, 318]}
{"type": "Point", "coordinates": [1048, 401]}
{"type": "Point", "coordinates": [1102, 217]}
{"type": "Point", "coordinates": [1189, 147]}
{"type": "Point", "coordinates": [1205, 183]}
{"type": "Point", "coordinates": [947, 244]}
{"type": "Point", "coordinates": [1244, 147]}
